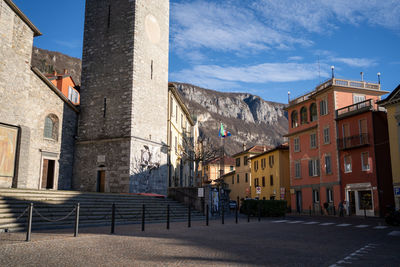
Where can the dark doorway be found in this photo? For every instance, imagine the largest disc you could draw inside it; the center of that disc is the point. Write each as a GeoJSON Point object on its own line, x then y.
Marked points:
{"type": "Point", "coordinates": [101, 181]}
{"type": "Point", "coordinates": [352, 202]}
{"type": "Point", "coordinates": [298, 201]}
{"type": "Point", "coordinates": [48, 173]}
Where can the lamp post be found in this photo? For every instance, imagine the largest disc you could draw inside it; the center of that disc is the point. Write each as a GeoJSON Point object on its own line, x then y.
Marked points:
{"type": "Point", "coordinates": [362, 76]}
{"type": "Point", "coordinates": [333, 74]}
{"type": "Point", "coordinates": [379, 77]}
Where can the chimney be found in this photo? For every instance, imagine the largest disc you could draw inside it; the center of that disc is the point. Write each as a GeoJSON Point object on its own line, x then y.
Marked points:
{"type": "Point", "coordinates": [265, 148]}
{"type": "Point", "coordinates": [244, 146]}
{"type": "Point", "coordinates": [65, 71]}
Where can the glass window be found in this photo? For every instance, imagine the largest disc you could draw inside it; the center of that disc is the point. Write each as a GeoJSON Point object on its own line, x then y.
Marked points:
{"type": "Point", "coordinates": [313, 167]}
{"type": "Point", "coordinates": [51, 127]}
{"type": "Point", "coordinates": [256, 165]}
{"type": "Point", "coordinates": [238, 162]}
{"type": "Point", "coordinates": [328, 169]}
{"type": "Point", "coordinates": [296, 144]}
{"type": "Point", "coordinates": [323, 107]}
{"type": "Point", "coordinates": [313, 140]}
{"type": "Point", "coordinates": [246, 177]}
{"type": "Point", "coordinates": [271, 161]}
{"type": "Point", "coordinates": [365, 161]}
{"type": "Point", "coordinates": [295, 119]}
{"type": "Point", "coordinates": [297, 168]}
{"type": "Point", "coordinates": [263, 181]}
{"type": "Point", "coordinates": [231, 168]}
{"type": "Point", "coordinates": [329, 195]}
{"type": "Point", "coordinates": [358, 98]}
{"type": "Point", "coordinates": [245, 160]}
{"type": "Point", "coordinates": [313, 112]}
{"type": "Point", "coordinates": [237, 178]}
{"type": "Point", "coordinates": [327, 138]}
{"type": "Point", "coordinates": [365, 199]}
{"type": "Point", "coordinates": [347, 163]}
{"type": "Point", "coordinates": [271, 179]}
{"type": "Point", "coordinates": [315, 196]}
{"type": "Point", "coordinates": [303, 115]}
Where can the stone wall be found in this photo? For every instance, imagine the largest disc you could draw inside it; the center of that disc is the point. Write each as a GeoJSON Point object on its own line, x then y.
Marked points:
{"type": "Point", "coordinates": [25, 102]}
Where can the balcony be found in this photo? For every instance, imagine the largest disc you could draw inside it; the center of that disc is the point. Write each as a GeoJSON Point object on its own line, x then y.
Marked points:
{"type": "Point", "coordinates": [353, 141]}
{"type": "Point", "coordinates": [355, 109]}
{"type": "Point", "coordinates": [336, 82]}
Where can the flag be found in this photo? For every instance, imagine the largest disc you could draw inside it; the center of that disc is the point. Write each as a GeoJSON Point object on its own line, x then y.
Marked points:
{"type": "Point", "coordinates": [222, 132]}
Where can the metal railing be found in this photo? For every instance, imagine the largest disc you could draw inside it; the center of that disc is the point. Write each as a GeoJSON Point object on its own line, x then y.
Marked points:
{"type": "Point", "coordinates": [353, 141]}
{"type": "Point", "coordinates": [360, 106]}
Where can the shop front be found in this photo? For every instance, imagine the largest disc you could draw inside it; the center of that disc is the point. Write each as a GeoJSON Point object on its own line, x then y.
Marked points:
{"type": "Point", "coordinates": [360, 199]}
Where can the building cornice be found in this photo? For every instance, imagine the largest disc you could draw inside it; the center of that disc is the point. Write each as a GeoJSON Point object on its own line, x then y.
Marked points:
{"type": "Point", "coordinates": [174, 91]}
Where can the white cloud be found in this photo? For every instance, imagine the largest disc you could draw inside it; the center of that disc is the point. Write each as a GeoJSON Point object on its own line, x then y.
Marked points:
{"type": "Point", "coordinates": [356, 62]}
{"type": "Point", "coordinates": [223, 26]}
{"type": "Point", "coordinates": [215, 76]}
{"type": "Point", "coordinates": [321, 16]}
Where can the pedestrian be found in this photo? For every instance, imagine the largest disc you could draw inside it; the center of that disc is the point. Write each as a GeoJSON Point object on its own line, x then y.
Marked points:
{"type": "Point", "coordinates": [341, 209]}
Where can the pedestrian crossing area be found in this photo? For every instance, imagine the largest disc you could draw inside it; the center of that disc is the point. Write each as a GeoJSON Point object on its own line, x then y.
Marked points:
{"type": "Point", "coordinates": [377, 227]}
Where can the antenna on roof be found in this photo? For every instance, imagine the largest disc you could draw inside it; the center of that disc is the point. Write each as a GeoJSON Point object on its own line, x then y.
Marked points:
{"type": "Point", "coordinates": [379, 77]}
{"type": "Point", "coordinates": [362, 76]}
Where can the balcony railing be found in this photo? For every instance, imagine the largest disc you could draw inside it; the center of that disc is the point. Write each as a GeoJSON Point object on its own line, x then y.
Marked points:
{"type": "Point", "coordinates": [353, 141]}
{"type": "Point", "coordinates": [336, 82]}
{"type": "Point", "coordinates": [355, 108]}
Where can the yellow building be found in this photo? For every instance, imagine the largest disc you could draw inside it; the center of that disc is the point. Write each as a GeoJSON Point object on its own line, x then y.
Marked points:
{"type": "Point", "coordinates": [270, 173]}
{"type": "Point", "coordinates": [240, 186]}
{"type": "Point", "coordinates": [180, 141]}
{"type": "Point", "coordinates": [211, 170]}
{"type": "Point", "coordinates": [392, 105]}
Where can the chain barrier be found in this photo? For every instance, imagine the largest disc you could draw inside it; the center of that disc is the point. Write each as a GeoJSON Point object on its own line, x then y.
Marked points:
{"type": "Point", "coordinates": [56, 220]}
{"type": "Point", "coordinates": [124, 218]}
{"type": "Point", "coordinates": [19, 217]}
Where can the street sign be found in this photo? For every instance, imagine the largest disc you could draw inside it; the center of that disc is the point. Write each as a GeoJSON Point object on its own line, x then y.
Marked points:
{"type": "Point", "coordinates": [258, 190]}
{"type": "Point", "coordinates": [397, 191]}
{"type": "Point", "coordinates": [200, 192]}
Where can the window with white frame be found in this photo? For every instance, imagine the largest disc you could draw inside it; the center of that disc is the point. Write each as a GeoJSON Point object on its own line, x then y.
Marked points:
{"type": "Point", "coordinates": [323, 107]}
{"type": "Point", "coordinates": [365, 161]}
{"type": "Point", "coordinates": [327, 137]}
{"type": "Point", "coordinates": [329, 195]}
{"type": "Point", "coordinates": [358, 98]}
{"type": "Point", "coordinates": [313, 167]}
{"type": "Point", "coordinates": [347, 163]}
{"type": "Point", "coordinates": [313, 140]}
{"type": "Point", "coordinates": [297, 169]}
{"type": "Point", "coordinates": [296, 144]}
{"type": "Point", "coordinates": [315, 196]}
{"type": "Point", "coordinates": [328, 164]}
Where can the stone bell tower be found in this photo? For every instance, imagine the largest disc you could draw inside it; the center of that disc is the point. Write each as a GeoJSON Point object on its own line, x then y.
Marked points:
{"type": "Point", "coordinates": [122, 134]}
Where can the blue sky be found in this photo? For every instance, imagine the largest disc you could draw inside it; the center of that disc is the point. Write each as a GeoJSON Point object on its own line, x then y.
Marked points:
{"type": "Point", "coordinates": [264, 47]}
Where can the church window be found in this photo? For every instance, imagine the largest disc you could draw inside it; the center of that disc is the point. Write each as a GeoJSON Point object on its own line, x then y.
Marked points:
{"type": "Point", "coordinates": [51, 127]}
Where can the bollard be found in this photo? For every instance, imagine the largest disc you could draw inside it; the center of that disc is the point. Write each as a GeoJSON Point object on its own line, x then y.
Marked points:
{"type": "Point", "coordinates": [113, 218]}
{"type": "Point", "coordinates": [207, 215]}
{"type": "Point", "coordinates": [259, 212]}
{"type": "Point", "coordinates": [310, 210]}
{"type": "Point", "coordinates": [77, 207]}
{"type": "Point", "coordinates": [29, 230]}
{"type": "Point", "coordinates": [236, 214]}
{"type": "Point", "coordinates": [143, 218]}
{"type": "Point", "coordinates": [365, 212]}
{"type": "Point", "coordinates": [248, 216]}
{"type": "Point", "coordinates": [321, 210]}
{"type": "Point", "coordinates": [223, 215]}
{"type": "Point", "coordinates": [189, 219]}
{"type": "Point", "coordinates": [334, 210]}
{"type": "Point", "coordinates": [168, 217]}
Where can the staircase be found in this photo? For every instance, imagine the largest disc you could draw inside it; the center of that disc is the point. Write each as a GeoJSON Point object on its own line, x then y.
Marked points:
{"type": "Point", "coordinates": [95, 209]}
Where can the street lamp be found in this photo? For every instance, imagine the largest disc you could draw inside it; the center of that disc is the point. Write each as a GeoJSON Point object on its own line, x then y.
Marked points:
{"type": "Point", "coordinates": [379, 77]}
{"type": "Point", "coordinates": [333, 74]}
{"type": "Point", "coordinates": [362, 76]}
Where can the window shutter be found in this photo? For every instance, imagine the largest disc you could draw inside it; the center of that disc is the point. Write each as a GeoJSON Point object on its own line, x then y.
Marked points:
{"type": "Point", "coordinates": [318, 167]}
{"type": "Point", "coordinates": [310, 167]}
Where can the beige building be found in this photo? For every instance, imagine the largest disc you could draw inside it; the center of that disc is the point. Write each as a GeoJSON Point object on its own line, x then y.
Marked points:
{"type": "Point", "coordinates": [37, 122]}
{"type": "Point", "coordinates": [270, 174]}
{"type": "Point", "coordinates": [241, 186]}
{"type": "Point", "coordinates": [392, 105]}
{"type": "Point", "coordinates": [212, 169]}
{"type": "Point", "coordinates": [181, 141]}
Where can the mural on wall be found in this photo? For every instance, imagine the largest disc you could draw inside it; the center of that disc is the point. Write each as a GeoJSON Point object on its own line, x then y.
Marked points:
{"type": "Point", "coordinates": [8, 147]}
{"type": "Point", "coordinates": [143, 168]}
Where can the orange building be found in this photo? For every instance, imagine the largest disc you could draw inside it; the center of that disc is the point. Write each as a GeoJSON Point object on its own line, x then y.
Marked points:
{"type": "Point", "coordinates": [66, 85]}
{"type": "Point", "coordinates": [215, 168]}
{"type": "Point", "coordinates": [313, 133]}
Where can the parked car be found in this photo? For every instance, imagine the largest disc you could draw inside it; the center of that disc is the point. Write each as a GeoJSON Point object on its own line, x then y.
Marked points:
{"type": "Point", "coordinates": [232, 204]}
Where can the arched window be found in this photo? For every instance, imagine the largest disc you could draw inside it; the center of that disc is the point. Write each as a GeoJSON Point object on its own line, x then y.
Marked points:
{"type": "Point", "coordinates": [303, 115]}
{"type": "Point", "coordinates": [313, 112]}
{"type": "Point", "coordinates": [295, 119]}
{"type": "Point", "coordinates": [51, 127]}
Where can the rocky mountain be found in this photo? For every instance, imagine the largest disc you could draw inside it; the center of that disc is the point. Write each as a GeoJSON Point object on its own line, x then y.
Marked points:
{"type": "Point", "coordinates": [250, 119]}
{"type": "Point", "coordinates": [48, 61]}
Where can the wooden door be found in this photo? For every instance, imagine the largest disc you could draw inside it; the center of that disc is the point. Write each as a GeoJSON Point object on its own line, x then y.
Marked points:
{"type": "Point", "coordinates": [45, 168]}
{"type": "Point", "coordinates": [48, 169]}
{"type": "Point", "coordinates": [101, 181]}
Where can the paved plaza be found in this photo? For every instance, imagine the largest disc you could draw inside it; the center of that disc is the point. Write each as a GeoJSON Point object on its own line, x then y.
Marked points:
{"type": "Point", "coordinates": [289, 241]}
